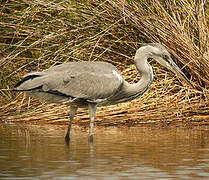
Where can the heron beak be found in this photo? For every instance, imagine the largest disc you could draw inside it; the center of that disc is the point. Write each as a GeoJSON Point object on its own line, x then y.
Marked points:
{"type": "Point", "coordinates": [177, 70]}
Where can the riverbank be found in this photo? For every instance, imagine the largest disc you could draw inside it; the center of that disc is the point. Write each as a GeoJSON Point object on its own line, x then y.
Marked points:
{"type": "Point", "coordinates": [144, 111]}
{"type": "Point", "coordinates": [39, 35]}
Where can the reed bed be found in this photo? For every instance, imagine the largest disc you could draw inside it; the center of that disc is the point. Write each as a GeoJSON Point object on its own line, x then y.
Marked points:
{"type": "Point", "coordinates": [39, 34]}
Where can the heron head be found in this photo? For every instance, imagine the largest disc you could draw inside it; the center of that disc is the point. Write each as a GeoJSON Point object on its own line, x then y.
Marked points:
{"type": "Point", "coordinates": [163, 57]}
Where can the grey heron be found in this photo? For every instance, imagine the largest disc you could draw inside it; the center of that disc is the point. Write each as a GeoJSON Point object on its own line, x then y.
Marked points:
{"type": "Point", "coordinates": [92, 84]}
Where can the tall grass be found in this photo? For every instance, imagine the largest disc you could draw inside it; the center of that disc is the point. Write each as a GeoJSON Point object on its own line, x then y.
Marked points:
{"type": "Point", "coordinates": [39, 34]}
{"type": "Point", "coordinates": [180, 25]}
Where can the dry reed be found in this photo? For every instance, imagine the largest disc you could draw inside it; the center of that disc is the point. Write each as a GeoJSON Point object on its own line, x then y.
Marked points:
{"type": "Point", "coordinates": [39, 34]}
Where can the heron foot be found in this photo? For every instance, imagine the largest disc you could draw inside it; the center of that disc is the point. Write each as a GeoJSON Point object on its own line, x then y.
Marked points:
{"type": "Point", "coordinates": [91, 138]}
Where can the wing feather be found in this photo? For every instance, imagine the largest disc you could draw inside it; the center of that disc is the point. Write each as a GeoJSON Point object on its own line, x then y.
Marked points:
{"type": "Point", "coordinates": [86, 80]}
{"type": "Point", "coordinates": [87, 83]}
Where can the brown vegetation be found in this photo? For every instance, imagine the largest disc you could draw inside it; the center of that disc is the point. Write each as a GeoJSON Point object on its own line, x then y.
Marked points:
{"type": "Point", "coordinates": [35, 35]}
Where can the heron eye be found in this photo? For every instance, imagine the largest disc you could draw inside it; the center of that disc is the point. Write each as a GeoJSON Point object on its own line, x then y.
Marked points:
{"type": "Point", "coordinates": [166, 57]}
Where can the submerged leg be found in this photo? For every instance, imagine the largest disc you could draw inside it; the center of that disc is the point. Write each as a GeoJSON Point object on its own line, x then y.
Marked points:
{"type": "Point", "coordinates": [92, 112]}
{"type": "Point", "coordinates": [73, 110]}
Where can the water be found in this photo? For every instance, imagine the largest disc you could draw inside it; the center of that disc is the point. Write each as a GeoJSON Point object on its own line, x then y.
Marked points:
{"type": "Point", "coordinates": [39, 152]}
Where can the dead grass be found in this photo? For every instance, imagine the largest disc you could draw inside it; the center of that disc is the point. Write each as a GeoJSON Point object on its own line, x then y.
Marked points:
{"type": "Point", "coordinates": [39, 34]}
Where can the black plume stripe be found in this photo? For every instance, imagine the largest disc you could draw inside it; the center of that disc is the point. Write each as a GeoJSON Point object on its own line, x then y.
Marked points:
{"type": "Point", "coordinates": [39, 88]}
{"type": "Point", "coordinates": [25, 79]}
{"type": "Point", "coordinates": [55, 92]}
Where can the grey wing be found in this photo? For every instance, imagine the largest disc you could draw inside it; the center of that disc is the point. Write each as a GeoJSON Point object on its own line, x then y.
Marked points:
{"type": "Point", "coordinates": [91, 86]}
{"type": "Point", "coordinates": [90, 81]}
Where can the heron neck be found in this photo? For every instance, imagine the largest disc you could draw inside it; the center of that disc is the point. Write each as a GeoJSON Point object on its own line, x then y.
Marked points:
{"type": "Point", "coordinates": [132, 91]}
{"type": "Point", "coordinates": [146, 72]}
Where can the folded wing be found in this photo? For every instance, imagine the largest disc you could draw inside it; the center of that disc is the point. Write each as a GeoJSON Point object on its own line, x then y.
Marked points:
{"type": "Point", "coordinates": [85, 80]}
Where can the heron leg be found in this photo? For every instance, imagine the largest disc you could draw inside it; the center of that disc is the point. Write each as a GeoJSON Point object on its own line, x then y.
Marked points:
{"type": "Point", "coordinates": [73, 110]}
{"type": "Point", "coordinates": [92, 112]}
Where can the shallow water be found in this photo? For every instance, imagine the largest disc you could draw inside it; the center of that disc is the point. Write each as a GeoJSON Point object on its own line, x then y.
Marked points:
{"type": "Point", "coordinates": [39, 152]}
